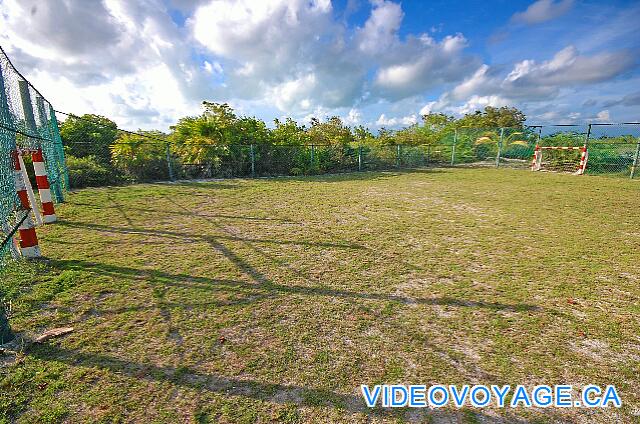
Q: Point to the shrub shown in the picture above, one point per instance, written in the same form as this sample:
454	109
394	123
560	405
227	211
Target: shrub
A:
140	158
88	172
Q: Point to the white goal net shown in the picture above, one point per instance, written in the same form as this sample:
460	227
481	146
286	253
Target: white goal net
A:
571	159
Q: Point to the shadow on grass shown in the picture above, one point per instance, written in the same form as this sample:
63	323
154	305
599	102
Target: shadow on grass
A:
336	176
193	237
191	378
265	288
268	392
177	213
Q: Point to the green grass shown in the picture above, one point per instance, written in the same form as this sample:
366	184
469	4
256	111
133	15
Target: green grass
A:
272	300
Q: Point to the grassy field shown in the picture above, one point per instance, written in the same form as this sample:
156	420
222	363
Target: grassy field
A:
272	300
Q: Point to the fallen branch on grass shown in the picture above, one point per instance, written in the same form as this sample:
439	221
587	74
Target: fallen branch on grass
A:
54	332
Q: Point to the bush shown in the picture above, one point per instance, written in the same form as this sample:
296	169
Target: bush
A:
140	158
88	172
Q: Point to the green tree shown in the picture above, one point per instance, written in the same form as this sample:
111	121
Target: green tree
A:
140	156
250	130
362	135
89	135
332	132
409	136
386	136
200	139
491	117
289	132
435	127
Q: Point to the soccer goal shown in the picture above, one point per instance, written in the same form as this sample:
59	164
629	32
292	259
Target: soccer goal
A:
571	159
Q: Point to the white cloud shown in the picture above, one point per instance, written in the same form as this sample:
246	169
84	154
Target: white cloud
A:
480	102
353	117
407	67
380	30
529	81
126	60
245	28
213	68
383	121
294	93
473	84
628	100
603	116
272	47
133	62
569	67
427	64
542	11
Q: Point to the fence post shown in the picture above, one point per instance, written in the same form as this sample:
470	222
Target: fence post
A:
635	160
253	161
360	158
398	157
428	158
27	108
313	155
30	121
6	335
583	166
54	176
167	152
499	148
453	149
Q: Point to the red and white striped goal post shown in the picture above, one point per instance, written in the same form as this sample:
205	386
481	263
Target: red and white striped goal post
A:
42	181
536	163
28	239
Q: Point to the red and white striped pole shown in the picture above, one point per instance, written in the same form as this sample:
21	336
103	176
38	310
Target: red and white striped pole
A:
534	162
583	160
28	238
42	182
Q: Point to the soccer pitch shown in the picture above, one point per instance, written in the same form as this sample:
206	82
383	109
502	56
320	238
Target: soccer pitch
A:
273	300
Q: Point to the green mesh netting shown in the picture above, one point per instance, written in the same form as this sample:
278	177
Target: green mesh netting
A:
27	121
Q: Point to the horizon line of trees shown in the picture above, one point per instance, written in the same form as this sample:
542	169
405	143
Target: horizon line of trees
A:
98	152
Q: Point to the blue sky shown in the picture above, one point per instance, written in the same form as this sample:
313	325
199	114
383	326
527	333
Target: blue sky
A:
376	63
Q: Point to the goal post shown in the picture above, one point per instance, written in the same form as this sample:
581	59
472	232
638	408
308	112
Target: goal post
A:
571	159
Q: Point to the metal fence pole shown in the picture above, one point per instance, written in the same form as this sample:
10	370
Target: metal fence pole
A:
169	164
6	335
453	148
359	158
586	147
253	161
499	147
398	157
27	108
635	160
428	156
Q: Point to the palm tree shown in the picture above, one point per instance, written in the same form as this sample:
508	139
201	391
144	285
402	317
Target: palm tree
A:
497	137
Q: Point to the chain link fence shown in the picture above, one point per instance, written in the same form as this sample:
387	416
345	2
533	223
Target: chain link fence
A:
27	122
613	150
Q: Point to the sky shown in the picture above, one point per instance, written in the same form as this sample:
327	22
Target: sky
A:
377	63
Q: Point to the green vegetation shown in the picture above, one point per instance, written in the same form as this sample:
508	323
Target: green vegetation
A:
89	172
220	144
271	300
216	144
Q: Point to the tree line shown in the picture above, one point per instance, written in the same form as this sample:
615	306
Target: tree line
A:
99	153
